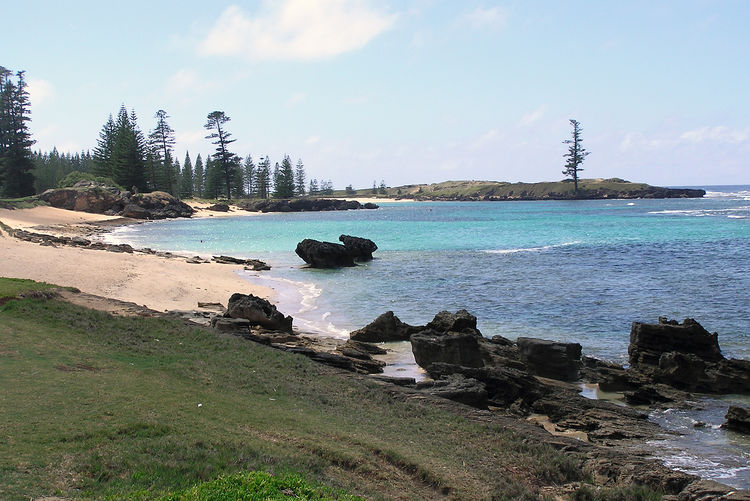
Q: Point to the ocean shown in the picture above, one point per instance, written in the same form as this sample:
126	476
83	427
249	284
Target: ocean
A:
579	271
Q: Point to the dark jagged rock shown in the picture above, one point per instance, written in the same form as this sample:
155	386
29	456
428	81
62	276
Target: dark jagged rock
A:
504	385
457	348
685	356
218	207
461	321
119	248
370	205
298	205
252	264
550	359
649	341
398	381
135	211
387	327
458	388
258	311
737	419
360	249
324	254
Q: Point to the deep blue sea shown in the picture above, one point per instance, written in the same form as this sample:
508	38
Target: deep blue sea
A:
578	271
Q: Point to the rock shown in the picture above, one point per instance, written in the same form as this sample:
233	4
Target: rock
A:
387	327
157	205
708	490
298	205
458	388
119	248
370	205
218	208
648	395
359	248
461	321
224	324
365	347
324	254
550	359
250	264
80	241
504	385
649	341
737	419
87	198
258	311
457	348
135	211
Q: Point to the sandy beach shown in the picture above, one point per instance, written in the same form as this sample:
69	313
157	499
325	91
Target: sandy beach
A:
148	280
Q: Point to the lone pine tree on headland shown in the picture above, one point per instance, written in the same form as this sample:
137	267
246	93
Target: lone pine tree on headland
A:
576	154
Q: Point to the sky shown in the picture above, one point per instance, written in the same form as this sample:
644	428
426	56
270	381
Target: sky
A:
405	91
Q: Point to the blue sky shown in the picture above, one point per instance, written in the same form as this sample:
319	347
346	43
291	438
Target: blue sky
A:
405	91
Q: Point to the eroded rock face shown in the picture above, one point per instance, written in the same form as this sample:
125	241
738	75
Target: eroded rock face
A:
301	205
649	341
360	249
458	388
550	359
258	311
456	348
461	321
160	205
324	254
387	327
94	199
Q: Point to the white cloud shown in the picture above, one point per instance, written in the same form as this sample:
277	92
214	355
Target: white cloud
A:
296	30
532	116
312	140
495	18
186	80
39	91
295	99
488	137
718	134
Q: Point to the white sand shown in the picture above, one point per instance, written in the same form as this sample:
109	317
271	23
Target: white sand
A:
155	282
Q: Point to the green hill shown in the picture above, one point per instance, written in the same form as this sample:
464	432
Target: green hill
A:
588	189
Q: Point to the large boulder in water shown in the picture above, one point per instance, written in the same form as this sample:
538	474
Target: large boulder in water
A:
648	342
737	419
387	327
258	311
359	248
550	358
324	254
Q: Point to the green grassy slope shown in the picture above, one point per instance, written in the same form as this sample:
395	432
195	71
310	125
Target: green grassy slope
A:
95	406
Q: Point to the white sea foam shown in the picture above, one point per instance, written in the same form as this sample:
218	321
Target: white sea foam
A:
731	195
530	249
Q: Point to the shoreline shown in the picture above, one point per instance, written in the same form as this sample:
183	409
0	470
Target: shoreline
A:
158	271
153	281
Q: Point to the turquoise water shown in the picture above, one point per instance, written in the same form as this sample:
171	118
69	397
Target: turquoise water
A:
574	271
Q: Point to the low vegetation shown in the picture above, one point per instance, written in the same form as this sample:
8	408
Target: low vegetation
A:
97	406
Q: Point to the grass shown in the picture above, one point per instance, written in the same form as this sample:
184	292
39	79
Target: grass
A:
21	203
100	407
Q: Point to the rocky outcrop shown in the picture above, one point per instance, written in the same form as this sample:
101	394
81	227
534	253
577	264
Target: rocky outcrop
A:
457	348
737	419
324	254
87	196
648	342
258	311
360	249
550	359
685	356
156	205
387	327
301	205
218	207
249	264
461	321
458	388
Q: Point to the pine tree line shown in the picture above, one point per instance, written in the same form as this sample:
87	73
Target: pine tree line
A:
16	161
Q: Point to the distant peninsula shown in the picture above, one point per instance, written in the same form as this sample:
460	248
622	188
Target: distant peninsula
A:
588	189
